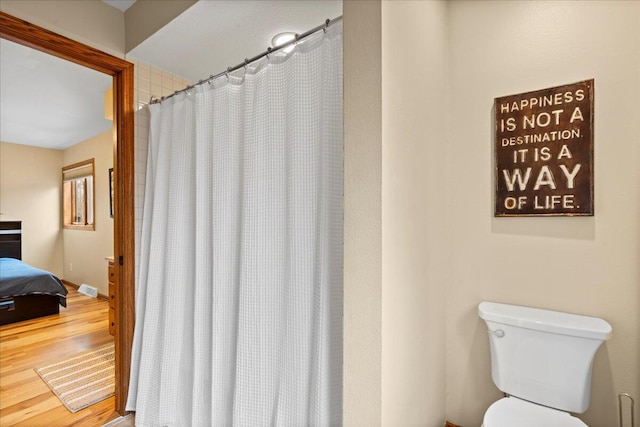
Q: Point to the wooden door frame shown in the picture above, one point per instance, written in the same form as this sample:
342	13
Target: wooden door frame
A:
27	34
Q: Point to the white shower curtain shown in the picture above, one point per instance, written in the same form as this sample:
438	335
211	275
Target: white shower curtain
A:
239	294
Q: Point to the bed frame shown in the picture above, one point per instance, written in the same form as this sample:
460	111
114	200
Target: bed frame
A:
16	309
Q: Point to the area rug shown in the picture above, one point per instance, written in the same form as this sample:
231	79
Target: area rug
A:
83	379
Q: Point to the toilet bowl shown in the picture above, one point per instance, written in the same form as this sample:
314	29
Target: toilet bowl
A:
514	412
542	360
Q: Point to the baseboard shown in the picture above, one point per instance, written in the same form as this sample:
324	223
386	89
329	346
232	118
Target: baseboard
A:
127	420
73	285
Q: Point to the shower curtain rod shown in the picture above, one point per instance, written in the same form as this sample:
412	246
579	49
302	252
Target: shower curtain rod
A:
248	61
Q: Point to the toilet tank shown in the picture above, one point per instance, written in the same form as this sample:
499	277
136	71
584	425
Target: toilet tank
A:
543	356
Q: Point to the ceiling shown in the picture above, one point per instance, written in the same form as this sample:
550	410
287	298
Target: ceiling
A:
54	103
213	35
48	102
123	5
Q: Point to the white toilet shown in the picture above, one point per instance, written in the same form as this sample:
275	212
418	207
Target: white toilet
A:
542	360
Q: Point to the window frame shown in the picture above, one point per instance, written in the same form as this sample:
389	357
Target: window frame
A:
69	201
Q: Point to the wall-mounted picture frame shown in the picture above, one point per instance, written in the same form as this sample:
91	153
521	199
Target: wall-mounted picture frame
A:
111	192
544	152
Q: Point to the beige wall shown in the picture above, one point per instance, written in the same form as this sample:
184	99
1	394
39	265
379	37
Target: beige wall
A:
582	265
85	251
362	213
586	265
91	22
97	24
413	212
30	191
144	18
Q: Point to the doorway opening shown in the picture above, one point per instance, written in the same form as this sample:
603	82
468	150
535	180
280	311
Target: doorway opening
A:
27	34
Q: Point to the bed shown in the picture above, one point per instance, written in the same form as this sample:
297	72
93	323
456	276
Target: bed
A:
26	292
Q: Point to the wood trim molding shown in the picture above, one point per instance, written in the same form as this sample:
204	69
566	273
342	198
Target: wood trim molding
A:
27	34
69	204
124	229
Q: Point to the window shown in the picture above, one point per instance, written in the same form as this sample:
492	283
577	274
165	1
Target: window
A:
78	195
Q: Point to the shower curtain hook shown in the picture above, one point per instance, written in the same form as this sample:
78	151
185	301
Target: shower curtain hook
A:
210	79
326	25
227	72
269	49
246	63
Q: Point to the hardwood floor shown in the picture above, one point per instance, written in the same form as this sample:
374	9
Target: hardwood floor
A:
25	400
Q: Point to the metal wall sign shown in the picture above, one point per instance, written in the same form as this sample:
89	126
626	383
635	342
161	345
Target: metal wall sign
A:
544	152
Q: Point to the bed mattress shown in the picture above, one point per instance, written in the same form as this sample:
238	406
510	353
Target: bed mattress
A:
18	278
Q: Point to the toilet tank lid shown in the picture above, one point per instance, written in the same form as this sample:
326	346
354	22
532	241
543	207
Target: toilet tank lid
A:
545	320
